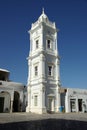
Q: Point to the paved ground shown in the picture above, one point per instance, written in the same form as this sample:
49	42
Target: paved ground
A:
22	117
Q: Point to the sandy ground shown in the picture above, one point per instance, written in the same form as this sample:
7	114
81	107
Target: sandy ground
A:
21	117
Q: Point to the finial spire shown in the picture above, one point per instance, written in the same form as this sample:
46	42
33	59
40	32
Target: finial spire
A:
42	10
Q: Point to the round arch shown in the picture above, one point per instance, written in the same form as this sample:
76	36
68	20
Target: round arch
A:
5	99
16	102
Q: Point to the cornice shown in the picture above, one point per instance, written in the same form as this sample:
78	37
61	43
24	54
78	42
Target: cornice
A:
31	56
38	26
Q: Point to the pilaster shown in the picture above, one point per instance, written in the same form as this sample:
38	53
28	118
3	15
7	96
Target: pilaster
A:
11	109
42	99
42	66
29	99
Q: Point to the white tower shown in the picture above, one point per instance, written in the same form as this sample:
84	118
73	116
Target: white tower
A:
43	63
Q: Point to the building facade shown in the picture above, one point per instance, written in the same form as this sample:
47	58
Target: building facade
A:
43	67
73	100
76	100
12	94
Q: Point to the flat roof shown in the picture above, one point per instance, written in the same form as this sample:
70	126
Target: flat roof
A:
4	70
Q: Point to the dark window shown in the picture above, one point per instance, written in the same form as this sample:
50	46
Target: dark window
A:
35	100
36	70
37	44
50	70
48	44
0	83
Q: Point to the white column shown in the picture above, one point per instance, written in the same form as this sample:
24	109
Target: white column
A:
43	96
42	39
29	99
58	99
58	102
11	109
42	66
58	72
29	70
30	46
12	98
77	110
67	102
52	104
56	43
42	99
21	101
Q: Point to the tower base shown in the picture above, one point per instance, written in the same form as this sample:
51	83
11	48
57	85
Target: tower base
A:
36	110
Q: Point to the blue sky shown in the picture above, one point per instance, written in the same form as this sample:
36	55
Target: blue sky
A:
70	16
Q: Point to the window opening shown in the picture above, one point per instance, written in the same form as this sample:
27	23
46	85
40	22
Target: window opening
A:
37	44
50	70
36	70
35	100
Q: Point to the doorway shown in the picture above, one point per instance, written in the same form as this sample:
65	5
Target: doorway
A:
1	104
16	102
80	105
73	105
51	105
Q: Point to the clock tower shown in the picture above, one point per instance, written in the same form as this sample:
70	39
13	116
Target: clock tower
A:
43	67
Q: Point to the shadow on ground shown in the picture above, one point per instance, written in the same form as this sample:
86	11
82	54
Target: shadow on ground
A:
49	124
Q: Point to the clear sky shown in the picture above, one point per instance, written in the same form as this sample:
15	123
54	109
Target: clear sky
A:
70	16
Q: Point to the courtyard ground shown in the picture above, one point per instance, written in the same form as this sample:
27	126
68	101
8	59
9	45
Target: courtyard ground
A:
23	117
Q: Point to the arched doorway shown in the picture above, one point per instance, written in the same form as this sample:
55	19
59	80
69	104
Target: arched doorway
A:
1	104
4	101
51	104
16	102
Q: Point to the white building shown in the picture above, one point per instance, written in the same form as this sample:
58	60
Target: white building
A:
76	100
43	62
73	99
12	94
